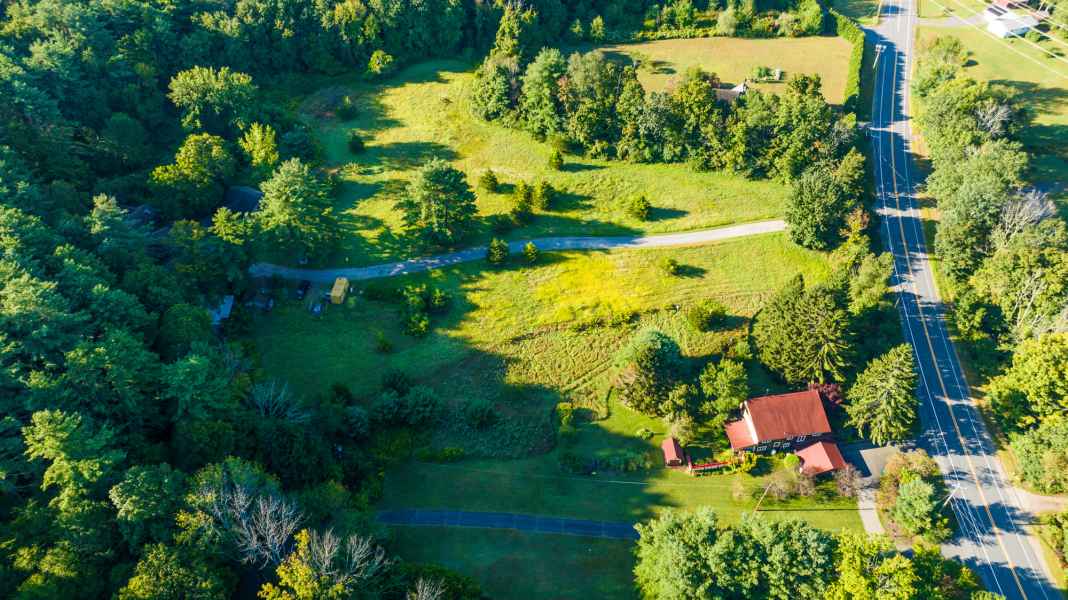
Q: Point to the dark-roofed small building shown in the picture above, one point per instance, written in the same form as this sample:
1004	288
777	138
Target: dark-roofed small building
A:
242	199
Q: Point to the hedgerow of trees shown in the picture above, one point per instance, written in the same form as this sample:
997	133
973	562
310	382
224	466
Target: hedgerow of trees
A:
1005	249
696	555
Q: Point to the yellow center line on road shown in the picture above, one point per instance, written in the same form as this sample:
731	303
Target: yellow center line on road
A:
930	345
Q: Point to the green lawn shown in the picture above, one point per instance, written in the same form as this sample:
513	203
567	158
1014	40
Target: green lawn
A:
1043	82
537	486
511	565
733	60
423	112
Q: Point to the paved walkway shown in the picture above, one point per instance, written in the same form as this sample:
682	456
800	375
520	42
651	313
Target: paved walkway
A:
869	515
418	265
496	520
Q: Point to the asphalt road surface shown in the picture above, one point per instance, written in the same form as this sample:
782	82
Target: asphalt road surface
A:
417	265
988	508
496	520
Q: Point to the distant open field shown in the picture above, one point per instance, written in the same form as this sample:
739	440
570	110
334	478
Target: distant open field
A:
423	113
733	59
1043	83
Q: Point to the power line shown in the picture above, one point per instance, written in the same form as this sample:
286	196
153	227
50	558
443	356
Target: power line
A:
1014	49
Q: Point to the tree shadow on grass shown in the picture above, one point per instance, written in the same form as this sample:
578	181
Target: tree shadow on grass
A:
1039	98
690	271
666	214
523	466
403	156
578	167
569	201
371	113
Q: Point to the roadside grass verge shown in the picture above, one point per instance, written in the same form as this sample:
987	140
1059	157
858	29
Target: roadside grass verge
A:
1053	561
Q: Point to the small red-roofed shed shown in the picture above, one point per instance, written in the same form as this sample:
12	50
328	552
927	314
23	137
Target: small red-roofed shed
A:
673	455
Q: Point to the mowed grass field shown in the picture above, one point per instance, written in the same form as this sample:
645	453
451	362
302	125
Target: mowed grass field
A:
733	60
516	566
423	112
1043	83
562	567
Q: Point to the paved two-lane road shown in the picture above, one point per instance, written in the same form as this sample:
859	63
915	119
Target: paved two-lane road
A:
987	507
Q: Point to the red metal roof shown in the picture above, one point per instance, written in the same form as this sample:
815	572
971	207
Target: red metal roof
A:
672	450
788	415
738	434
820	457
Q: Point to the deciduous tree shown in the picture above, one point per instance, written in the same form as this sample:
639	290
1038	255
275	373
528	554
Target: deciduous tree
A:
296	210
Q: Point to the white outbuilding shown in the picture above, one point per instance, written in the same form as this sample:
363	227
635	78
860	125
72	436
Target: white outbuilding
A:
1011	24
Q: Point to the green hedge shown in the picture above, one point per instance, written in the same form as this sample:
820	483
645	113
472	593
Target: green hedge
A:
849	30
